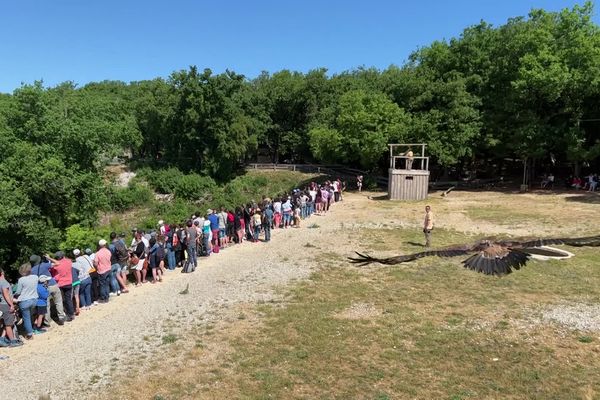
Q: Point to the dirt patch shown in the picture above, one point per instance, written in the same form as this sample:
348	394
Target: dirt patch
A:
359	311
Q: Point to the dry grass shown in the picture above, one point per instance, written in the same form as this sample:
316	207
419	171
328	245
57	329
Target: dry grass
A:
428	329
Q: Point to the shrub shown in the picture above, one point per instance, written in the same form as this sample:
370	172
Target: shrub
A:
194	187
121	199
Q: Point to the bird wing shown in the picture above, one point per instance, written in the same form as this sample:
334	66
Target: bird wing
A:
592	241
364	259
496	260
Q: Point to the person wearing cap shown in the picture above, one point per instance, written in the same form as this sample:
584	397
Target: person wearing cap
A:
27	296
62	272
41	304
84	265
256	224
39	268
103	266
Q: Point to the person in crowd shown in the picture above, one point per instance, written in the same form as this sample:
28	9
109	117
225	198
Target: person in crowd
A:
428	225
41	304
222	215
119	257
84	265
89	257
62	272
238	225
102	262
286	209
170	253
231	234
192	243
592	182
76	284
27	296
207	236
267	221
256	224
154	259
7	314
40	268
214	228
139	250
359	182
277	213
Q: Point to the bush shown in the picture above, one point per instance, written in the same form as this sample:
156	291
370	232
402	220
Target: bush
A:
135	195
194	187
163	181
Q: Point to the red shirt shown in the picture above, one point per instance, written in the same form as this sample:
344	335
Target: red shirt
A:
63	272
102	260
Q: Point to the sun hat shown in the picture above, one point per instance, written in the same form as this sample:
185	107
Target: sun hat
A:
161	222
209	211
44	278
88	251
102	242
76	252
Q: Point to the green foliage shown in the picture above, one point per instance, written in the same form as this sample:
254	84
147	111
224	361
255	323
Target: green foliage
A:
135	195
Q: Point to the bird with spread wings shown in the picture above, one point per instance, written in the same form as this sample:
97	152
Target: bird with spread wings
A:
490	257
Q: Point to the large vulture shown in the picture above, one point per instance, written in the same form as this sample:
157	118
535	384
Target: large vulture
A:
490	257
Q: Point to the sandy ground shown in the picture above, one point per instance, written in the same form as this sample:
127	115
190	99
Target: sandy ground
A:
81	358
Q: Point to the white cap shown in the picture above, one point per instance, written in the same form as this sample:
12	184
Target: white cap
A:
44	278
102	242
76	252
161	222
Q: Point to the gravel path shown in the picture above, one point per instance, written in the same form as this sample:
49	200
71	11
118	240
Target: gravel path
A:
78	359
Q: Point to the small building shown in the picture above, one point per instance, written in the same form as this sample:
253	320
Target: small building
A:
409	172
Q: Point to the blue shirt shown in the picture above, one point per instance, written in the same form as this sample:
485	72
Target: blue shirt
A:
214	222
43	294
43	269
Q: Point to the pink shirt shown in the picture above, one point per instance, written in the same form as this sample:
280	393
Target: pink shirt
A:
102	260
62	273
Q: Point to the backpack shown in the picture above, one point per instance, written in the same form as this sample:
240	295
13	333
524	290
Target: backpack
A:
121	252
175	239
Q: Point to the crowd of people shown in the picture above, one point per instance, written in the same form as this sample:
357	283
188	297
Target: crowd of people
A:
59	287
588	182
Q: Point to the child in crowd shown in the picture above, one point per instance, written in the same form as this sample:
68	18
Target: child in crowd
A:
42	303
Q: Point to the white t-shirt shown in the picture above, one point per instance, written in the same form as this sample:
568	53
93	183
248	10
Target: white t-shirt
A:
313	194
277	207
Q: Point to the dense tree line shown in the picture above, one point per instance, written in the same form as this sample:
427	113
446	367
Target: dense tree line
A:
527	89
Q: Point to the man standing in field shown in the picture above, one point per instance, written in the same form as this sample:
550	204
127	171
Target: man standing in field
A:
428	225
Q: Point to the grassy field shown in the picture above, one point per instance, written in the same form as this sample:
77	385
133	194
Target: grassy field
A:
425	330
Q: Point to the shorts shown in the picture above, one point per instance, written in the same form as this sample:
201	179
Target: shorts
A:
140	265
124	268
7	316
221	233
40	310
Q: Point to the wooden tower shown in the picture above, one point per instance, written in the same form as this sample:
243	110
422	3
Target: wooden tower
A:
409	172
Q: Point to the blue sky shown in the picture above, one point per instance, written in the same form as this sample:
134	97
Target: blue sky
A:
130	40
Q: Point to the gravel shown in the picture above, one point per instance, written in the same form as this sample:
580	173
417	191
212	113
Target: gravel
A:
583	317
78	360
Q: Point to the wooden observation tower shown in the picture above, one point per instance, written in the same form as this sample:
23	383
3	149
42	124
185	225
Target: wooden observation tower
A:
409	172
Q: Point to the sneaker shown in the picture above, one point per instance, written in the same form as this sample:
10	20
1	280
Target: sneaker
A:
15	343
39	331
61	322
95	303
111	294
118	292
